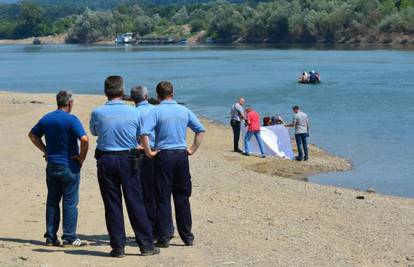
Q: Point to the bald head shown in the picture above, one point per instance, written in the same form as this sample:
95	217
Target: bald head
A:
241	101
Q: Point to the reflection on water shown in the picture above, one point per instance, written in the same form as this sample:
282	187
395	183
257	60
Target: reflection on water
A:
363	109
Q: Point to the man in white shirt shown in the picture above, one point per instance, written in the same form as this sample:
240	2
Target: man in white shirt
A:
301	124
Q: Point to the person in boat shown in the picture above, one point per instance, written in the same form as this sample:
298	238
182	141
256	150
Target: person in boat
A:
304	77
318	76
313	78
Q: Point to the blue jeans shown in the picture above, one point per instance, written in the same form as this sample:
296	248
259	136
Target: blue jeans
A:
301	141
62	183
247	138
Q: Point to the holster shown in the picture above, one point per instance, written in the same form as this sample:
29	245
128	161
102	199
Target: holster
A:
136	157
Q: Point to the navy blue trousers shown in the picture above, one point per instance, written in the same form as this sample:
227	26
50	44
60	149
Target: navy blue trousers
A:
172	175
148	191
117	176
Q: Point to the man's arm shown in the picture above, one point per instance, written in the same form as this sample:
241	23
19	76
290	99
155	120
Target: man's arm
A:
198	138
240	111
147	148
148	126
199	131
84	147
292	124
38	142
92	123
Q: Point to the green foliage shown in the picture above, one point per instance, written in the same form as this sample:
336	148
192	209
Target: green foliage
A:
236	20
198	25
227	25
144	24
93	26
402	22
181	16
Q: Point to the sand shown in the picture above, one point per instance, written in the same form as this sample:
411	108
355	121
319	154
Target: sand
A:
241	217
46	40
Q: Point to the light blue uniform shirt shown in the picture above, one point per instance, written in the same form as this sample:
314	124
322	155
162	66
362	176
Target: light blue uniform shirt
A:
144	108
117	126
170	121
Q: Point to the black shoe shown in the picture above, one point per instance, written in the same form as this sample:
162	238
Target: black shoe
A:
298	159
246	154
50	243
162	244
263	156
188	243
238	151
150	252
118	253
305	159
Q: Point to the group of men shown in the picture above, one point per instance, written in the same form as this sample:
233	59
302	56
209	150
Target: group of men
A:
251	118
141	154
310	77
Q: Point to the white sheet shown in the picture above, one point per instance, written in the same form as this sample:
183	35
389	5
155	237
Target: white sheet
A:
276	141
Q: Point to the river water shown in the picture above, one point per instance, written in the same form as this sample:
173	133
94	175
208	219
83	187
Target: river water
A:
363	110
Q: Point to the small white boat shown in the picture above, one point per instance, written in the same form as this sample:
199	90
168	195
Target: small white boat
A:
125	38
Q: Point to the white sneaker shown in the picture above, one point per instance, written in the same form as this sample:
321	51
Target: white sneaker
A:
77	243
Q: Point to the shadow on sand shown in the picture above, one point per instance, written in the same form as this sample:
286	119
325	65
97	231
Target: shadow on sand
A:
92	240
22	241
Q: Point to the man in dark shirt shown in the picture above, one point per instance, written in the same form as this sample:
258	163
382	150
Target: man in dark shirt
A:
64	161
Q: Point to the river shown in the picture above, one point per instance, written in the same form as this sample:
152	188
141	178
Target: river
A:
363	110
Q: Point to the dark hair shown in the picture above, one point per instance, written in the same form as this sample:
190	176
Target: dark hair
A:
164	90
296	108
153	101
114	86
63	98
139	93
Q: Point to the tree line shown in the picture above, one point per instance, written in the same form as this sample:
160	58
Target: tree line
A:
299	21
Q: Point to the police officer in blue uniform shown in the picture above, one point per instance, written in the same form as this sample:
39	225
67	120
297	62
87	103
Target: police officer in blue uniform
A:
118	126
170	121
140	96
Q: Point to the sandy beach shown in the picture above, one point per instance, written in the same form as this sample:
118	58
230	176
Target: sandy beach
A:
46	40
246	211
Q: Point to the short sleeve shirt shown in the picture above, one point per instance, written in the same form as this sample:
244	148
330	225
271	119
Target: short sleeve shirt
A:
236	111
170	121
62	132
144	108
300	122
254	121
117	126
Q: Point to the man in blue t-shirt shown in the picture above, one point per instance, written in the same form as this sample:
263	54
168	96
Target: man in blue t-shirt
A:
64	161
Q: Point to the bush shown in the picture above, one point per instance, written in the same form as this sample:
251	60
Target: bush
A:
402	22
92	26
